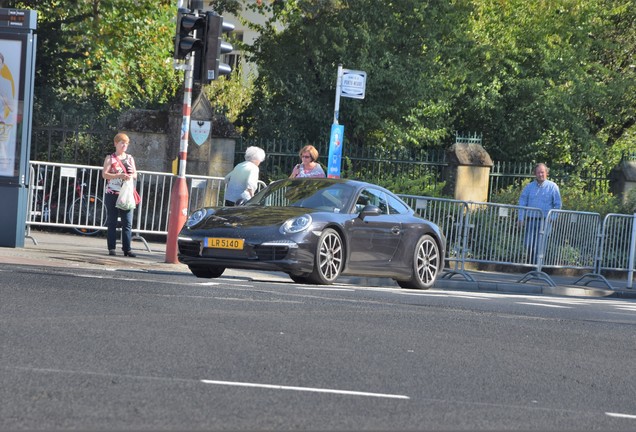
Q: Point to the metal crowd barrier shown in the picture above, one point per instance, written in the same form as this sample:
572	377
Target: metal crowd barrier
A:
617	252
570	239
497	237
71	197
490	233
452	218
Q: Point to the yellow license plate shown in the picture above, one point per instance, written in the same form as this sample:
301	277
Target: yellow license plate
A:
223	243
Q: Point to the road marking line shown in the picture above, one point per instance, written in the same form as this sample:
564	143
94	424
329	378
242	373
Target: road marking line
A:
544	305
621	313
324	289
306	389
444	295
621	415
226	298
626	307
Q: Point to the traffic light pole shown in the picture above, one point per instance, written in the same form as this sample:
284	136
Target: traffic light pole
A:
179	196
188	42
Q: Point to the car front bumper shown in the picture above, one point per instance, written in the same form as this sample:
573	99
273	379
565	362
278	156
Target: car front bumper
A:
286	256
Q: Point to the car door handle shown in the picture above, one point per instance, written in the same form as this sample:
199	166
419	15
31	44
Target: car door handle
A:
395	230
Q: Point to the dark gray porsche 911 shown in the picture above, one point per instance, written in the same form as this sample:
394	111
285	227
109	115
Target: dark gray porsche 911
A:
316	230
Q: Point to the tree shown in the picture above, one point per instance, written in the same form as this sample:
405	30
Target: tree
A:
550	80
117	51
407	48
542	84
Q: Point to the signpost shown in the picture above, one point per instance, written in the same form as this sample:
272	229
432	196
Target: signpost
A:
351	84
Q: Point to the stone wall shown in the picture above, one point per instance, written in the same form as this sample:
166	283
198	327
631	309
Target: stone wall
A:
623	179
468	172
155	137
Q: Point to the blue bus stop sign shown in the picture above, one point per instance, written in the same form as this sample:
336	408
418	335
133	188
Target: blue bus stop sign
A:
335	151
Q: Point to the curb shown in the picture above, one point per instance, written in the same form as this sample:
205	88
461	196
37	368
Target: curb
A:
72	252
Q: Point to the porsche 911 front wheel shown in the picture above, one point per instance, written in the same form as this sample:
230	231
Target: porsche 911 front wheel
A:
206	272
329	258
427	264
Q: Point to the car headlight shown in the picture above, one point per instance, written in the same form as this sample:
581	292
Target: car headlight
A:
296	224
196	217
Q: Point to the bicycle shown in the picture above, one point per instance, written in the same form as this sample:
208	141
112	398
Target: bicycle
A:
87	209
63	202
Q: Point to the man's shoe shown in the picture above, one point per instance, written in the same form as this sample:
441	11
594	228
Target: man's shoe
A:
112	252
130	254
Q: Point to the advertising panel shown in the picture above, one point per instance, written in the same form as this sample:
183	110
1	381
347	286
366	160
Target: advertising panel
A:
335	151
10	55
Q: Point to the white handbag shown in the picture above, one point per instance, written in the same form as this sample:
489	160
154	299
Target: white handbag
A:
126	199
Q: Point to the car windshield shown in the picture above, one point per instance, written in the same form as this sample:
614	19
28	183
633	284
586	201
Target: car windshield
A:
307	193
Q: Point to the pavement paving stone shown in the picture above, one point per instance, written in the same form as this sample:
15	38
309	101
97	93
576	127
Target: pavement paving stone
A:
60	249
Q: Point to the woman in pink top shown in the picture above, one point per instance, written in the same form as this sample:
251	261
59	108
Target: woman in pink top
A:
309	167
118	167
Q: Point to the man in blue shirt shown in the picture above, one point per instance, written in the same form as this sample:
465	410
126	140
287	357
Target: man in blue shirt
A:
542	194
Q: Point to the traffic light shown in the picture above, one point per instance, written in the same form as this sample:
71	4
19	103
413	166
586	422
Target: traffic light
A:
214	47
186	40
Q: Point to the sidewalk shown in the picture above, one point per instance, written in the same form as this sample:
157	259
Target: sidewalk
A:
74	251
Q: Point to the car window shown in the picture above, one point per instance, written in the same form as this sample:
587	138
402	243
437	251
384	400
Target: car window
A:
277	198
396	206
310	194
371	196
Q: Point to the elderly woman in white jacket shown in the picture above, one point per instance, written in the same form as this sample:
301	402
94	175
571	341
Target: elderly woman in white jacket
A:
242	181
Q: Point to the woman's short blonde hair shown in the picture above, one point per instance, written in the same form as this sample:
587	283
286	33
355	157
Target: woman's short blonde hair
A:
311	150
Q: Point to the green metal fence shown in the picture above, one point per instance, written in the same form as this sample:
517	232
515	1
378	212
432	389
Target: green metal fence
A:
71	143
365	163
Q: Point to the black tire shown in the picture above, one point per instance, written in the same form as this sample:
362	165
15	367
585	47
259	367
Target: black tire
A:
328	259
207	272
299	279
427	264
87	210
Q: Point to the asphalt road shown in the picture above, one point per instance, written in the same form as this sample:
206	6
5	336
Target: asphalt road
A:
137	350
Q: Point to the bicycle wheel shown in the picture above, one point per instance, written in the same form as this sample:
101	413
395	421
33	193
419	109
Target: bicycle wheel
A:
87	210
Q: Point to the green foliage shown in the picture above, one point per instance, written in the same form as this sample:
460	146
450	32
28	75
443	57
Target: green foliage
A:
231	95
544	86
407	185
131	60
117	51
575	198
546	80
399	45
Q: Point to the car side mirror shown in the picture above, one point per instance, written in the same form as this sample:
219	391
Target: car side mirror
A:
370	210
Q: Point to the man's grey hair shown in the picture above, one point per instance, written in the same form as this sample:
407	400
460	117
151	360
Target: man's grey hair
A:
254	153
547	170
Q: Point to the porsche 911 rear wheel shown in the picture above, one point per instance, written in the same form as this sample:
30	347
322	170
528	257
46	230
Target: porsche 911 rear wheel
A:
329	258
206	272
427	263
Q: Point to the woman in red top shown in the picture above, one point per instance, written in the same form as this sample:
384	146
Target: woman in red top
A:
118	167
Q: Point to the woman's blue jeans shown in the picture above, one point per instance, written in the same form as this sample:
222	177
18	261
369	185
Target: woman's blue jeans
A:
111	222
